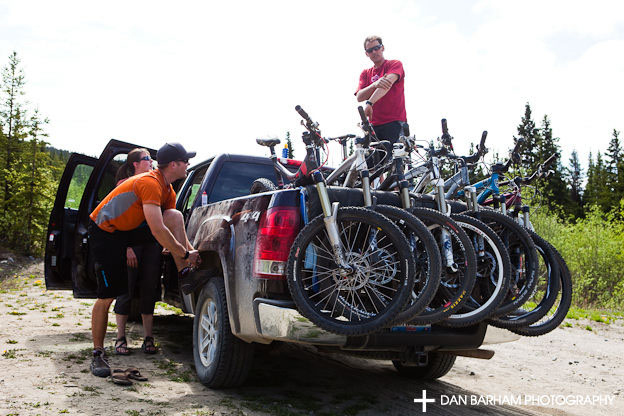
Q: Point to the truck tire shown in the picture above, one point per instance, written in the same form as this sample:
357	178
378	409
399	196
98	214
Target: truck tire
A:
221	359
438	365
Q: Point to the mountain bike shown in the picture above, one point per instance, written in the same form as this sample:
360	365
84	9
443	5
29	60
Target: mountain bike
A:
350	269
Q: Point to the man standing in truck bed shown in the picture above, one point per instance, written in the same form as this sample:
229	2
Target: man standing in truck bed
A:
139	209
381	86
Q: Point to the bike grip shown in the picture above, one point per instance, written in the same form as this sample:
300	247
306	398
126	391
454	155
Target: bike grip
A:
444	127
302	112
483	137
362	114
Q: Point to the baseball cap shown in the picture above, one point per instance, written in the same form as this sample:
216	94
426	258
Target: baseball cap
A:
171	152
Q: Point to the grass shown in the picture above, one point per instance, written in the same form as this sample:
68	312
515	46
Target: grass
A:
11	341
596	315
168	307
17	313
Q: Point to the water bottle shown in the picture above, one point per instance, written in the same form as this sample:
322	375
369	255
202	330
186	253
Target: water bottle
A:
285	151
204	199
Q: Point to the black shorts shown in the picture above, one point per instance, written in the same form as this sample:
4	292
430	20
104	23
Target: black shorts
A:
109	256
143	281
391	131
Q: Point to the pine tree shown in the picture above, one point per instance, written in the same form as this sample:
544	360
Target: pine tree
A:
291	151
531	136
553	188
575	179
596	191
26	177
615	173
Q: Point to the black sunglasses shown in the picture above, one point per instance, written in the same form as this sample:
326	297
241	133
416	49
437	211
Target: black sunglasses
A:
374	48
184	160
146	158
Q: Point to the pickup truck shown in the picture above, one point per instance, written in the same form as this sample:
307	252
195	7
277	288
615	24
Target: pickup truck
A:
239	297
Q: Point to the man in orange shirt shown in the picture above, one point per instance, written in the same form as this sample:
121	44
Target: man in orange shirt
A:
139	209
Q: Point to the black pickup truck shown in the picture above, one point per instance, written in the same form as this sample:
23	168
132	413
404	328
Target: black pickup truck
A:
240	296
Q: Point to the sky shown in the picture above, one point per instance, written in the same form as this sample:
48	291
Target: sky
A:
217	75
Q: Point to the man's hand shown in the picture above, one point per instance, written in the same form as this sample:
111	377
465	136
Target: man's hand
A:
384	83
194	259
368	111
131	258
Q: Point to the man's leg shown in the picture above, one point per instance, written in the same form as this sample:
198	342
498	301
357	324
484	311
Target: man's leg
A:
99	321
174	221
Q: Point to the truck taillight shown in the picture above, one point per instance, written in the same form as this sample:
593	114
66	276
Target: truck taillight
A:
277	231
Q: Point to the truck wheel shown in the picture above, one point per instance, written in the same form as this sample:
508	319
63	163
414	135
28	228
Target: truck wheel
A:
438	365
221	359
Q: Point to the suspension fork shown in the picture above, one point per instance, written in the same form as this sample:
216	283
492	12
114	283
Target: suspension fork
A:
445	236
471	202
330	214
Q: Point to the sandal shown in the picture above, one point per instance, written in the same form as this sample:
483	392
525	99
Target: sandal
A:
134	374
119	376
148	346
121	346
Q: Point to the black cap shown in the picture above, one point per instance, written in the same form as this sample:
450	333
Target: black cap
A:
171	152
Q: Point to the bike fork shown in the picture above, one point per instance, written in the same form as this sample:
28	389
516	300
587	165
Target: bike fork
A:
445	236
330	213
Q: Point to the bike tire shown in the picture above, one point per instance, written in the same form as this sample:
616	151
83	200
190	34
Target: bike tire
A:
522	254
545	293
427	260
372	294
493	274
261	185
454	287
563	302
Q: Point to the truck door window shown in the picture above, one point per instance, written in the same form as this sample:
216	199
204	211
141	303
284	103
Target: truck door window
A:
77	186
107	183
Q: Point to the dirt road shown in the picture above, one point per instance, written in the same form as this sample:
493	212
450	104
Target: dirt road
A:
44	369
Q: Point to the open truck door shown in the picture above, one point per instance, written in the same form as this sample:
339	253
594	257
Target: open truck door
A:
76	270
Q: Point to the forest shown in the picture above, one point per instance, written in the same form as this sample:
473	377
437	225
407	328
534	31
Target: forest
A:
579	207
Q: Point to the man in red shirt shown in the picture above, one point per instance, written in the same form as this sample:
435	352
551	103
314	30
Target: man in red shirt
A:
381	86
140	209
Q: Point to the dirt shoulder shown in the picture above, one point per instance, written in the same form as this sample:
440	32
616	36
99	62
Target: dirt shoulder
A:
46	345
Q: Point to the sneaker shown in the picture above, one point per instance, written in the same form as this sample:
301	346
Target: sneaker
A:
99	365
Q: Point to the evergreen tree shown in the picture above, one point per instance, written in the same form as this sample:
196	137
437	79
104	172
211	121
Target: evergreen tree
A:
596	191
291	151
531	136
27	181
615	173
553	188
13	132
575	180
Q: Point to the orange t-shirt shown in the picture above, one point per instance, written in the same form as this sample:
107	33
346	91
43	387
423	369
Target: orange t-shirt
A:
122	209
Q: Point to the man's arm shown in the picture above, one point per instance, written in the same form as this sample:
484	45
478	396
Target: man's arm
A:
384	86
154	219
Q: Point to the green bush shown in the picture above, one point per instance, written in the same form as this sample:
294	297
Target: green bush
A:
593	249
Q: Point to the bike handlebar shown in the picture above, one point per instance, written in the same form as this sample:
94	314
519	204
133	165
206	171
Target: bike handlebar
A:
303	114
514	154
540	172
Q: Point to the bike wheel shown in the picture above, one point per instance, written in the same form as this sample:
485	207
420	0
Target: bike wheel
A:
557	313
493	274
426	255
364	298
545	293
455	284
522	254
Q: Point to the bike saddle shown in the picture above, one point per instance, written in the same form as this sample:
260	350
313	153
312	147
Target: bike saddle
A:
268	142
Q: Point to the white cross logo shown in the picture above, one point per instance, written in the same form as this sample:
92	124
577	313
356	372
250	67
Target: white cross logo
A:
424	401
